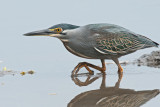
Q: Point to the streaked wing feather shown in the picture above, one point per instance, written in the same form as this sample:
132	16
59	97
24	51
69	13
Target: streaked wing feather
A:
115	40
118	43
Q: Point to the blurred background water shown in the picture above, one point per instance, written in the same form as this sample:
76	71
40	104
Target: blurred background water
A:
53	63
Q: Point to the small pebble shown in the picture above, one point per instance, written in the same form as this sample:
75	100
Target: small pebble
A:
30	72
23	73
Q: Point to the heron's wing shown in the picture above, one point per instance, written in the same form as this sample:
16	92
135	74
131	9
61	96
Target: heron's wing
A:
118	43
115	40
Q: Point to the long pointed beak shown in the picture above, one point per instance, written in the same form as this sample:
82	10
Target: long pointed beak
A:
45	32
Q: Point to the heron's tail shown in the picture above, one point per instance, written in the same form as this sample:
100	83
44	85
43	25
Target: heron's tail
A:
148	42
157	44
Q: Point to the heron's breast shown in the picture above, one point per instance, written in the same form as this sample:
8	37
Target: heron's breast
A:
78	51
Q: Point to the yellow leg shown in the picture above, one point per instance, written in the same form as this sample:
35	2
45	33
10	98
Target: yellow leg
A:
120	69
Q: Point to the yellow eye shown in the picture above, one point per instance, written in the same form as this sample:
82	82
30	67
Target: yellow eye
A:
58	30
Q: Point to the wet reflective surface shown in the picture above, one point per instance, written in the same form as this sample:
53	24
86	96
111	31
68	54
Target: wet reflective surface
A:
110	96
139	86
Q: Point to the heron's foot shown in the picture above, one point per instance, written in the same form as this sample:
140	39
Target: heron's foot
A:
120	73
81	65
87	65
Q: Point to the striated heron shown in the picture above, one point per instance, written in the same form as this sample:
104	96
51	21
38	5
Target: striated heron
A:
97	41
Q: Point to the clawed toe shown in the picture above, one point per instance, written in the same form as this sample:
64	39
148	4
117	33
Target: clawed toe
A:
87	66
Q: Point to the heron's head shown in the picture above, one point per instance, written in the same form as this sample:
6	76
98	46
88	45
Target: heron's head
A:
59	31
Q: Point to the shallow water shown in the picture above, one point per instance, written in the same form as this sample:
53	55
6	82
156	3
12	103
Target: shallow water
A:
58	89
51	84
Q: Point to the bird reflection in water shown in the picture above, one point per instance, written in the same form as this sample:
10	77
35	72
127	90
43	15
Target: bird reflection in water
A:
110	96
